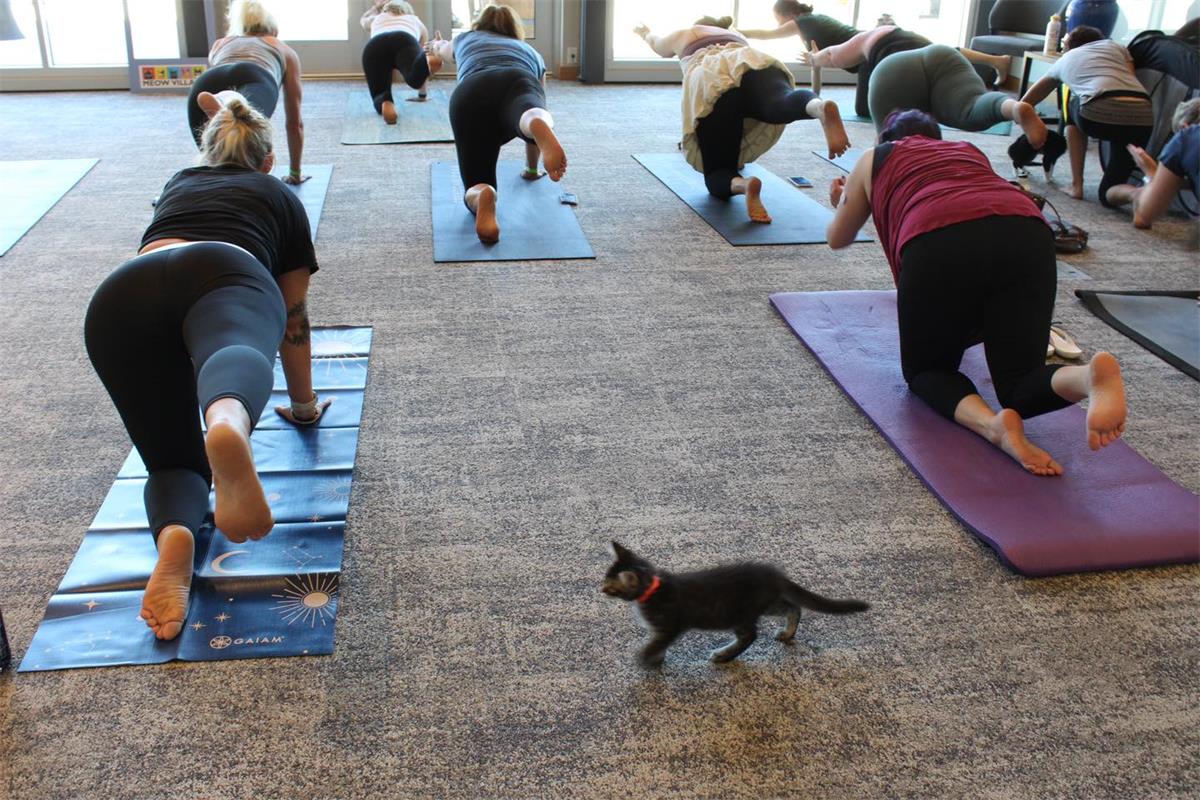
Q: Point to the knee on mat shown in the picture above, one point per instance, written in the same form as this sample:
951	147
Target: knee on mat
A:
718	183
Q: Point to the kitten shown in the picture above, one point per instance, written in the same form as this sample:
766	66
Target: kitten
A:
725	598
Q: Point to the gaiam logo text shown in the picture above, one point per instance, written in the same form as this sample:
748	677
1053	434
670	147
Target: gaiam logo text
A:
221	642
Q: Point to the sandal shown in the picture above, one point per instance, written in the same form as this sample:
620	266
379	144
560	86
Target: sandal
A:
1063	344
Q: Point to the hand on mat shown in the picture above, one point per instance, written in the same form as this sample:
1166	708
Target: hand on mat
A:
836	187
286	413
1145	161
293	180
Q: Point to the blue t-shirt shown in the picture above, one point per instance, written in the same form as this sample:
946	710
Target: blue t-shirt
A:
1182	155
475	51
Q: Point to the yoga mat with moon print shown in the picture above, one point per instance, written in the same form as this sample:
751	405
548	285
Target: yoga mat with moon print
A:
274	597
1112	509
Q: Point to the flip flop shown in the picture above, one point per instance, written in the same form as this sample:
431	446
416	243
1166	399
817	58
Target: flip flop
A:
1063	344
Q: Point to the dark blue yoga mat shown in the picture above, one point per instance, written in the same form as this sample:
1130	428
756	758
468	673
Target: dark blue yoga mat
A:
797	218
28	189
534	224
274	597
1112	509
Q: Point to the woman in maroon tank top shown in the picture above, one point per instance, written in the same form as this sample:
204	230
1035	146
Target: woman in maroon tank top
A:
973	261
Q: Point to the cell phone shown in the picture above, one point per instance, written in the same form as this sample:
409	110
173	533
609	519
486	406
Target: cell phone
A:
801	183
568	199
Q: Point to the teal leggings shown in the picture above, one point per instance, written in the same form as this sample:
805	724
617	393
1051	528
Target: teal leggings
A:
936	79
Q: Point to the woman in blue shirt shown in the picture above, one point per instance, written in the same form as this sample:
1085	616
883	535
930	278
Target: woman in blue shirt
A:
1178	166
500	96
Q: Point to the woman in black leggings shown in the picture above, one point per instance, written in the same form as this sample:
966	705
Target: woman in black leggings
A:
255	63
499	97
737	101
196	318
396	43
973	261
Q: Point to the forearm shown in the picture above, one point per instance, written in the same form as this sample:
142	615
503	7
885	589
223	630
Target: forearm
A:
295	139
660	45
295	351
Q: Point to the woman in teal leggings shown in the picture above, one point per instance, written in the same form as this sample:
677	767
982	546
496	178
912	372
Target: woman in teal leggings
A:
938	79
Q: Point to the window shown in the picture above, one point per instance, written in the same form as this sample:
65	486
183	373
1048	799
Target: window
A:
23	52
90	34
663	16
464	12
154	28
312	20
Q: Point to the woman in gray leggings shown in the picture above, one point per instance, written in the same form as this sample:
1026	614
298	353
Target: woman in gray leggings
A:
938	79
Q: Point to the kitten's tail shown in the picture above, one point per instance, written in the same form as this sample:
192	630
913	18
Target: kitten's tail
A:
806	599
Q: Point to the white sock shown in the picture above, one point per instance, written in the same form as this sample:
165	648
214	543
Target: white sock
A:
529	116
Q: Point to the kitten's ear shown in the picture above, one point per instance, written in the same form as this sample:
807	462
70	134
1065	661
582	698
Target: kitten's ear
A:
621	552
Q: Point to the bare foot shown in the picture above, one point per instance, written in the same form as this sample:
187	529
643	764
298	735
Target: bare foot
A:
1002	65
208	103
1106	401
1074	190
1007	432
754	205
241	508
486	226
165	601
835	132
554	159
1031	125
389	112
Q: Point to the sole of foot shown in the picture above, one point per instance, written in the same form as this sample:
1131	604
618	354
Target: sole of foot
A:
1106	401
554	158
1031	125
165	601
486	226
754	205
389	112
241	507
1008	433
836	137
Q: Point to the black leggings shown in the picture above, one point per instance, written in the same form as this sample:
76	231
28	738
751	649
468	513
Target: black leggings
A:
992	279
485	113
765	95
391	50
1120	163
173	327
256	84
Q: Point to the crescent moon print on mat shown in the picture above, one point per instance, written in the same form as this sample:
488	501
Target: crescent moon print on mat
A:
216	562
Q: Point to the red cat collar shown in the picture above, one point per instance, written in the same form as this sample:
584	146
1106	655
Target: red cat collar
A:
650	590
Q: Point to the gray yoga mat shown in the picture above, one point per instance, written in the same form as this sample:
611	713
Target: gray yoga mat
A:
419	122
1165	323
28	189
798	219
534	225
312	192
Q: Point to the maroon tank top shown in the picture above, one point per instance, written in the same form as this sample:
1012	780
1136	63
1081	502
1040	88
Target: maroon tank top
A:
925	184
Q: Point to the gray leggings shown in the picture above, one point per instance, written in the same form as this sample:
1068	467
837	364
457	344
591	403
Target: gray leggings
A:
937	79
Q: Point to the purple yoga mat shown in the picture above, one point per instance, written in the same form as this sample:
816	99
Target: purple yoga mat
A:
1112	509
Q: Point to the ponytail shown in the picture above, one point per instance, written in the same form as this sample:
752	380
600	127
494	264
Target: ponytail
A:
237	135
251	18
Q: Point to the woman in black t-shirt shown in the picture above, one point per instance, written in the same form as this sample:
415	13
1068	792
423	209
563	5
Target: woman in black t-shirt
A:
218	286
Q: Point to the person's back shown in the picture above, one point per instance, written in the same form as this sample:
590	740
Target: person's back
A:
920	184
249	49
408	23
1096	68
824	30
1182	155
475	51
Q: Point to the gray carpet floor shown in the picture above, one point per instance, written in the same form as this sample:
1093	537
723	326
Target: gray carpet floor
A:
519	416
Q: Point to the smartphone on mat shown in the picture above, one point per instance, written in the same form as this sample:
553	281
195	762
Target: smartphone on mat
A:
801	183
568	199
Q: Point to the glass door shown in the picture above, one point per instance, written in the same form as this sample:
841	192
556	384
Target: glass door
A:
324	33
55	45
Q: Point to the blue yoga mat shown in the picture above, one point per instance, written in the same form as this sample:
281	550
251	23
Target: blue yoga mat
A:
274	597
312	192
28	189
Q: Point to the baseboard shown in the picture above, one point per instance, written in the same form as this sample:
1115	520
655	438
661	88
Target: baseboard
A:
568	72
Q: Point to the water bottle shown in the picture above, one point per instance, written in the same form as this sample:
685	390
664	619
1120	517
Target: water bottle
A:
1053	34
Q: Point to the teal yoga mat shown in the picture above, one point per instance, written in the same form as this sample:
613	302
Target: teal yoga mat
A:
28	189
427	121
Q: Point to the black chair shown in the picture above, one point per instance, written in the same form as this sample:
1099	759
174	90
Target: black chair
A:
1017	26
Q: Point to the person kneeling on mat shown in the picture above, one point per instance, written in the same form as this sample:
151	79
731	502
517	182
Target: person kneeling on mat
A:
500	96
1177	167
737	101
973	260
253	61
397	43
218	286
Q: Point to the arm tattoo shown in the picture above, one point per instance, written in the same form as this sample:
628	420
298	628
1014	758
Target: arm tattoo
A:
298	318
